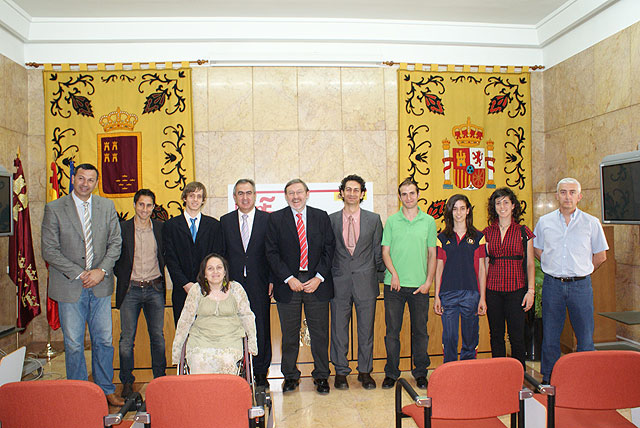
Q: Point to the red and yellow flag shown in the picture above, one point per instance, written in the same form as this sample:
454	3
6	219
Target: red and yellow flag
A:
22	264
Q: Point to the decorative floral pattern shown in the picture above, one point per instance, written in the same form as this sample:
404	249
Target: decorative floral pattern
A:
163	92
514	158
506	94
422	92
70	92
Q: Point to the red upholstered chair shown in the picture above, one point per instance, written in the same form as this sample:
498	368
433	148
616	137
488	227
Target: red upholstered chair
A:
470	393
587	388
200	401
55	404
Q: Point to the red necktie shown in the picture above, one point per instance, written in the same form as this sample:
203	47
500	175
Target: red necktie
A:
302	237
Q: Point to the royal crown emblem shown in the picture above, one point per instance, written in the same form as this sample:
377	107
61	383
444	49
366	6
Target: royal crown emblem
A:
118	120
469	164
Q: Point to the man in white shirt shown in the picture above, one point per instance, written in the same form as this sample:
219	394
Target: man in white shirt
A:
570	245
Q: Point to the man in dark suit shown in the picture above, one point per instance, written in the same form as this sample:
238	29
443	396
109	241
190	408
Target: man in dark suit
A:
140	285
81	242
357	265
187	240
244	236
300	245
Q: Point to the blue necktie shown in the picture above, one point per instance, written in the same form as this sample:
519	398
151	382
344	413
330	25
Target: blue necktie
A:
194	231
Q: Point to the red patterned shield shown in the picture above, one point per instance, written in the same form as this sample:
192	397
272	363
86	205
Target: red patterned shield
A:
120	164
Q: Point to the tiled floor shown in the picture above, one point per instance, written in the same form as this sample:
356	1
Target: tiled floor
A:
353	408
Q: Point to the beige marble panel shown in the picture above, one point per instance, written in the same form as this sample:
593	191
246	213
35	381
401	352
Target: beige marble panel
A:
11	141
392	162
614	133
393	205
390	75
324	150
319	99
555	160
363	99
537	101
276	156
581	154
578	95
543	203
626	239
35	102
200	98
16	87
201	158
4	100
380	206
554	110
365	155
230	98
590	202
627	287
217	207
634	53
37	174
275	98
612	72
539	174
231	156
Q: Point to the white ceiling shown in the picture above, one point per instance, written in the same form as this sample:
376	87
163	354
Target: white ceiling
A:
518	12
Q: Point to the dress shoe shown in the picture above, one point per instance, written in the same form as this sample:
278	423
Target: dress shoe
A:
388	382
322	386
341	382
127	390
290	385
114	400
421	382
367	381
260	379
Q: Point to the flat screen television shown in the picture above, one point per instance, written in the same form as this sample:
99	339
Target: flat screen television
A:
620	188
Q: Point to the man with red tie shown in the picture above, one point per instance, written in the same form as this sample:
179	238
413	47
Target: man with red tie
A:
299	247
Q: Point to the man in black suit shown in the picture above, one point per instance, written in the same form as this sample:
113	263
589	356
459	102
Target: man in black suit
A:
140	285
187	240
244	237
300	245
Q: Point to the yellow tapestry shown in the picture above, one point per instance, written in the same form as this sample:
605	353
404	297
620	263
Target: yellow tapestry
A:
135	126
463	132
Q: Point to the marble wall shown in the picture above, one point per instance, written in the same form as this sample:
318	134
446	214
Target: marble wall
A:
590	106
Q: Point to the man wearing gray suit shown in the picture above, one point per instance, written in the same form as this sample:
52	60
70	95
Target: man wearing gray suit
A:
81	242
357	263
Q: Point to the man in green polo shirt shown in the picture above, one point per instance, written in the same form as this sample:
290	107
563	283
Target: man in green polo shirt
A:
409	253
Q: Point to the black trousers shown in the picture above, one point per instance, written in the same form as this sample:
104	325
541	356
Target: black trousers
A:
261	307
317	316
506	306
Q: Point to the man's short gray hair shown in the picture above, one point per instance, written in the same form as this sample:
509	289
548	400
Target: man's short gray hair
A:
569	180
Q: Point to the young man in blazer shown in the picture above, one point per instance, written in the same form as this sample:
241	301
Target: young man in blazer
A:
187	240
81	242
357	268
300	245
244	236
140	286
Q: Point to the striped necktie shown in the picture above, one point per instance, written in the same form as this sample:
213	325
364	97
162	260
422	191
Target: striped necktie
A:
88	236
302	237
244	231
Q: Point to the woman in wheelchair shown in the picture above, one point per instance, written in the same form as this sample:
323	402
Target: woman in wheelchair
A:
215	319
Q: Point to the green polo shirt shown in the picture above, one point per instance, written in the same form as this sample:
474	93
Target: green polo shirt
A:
408	242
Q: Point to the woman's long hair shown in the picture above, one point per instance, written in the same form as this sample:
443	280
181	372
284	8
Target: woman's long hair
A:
202	279
499	193
448	216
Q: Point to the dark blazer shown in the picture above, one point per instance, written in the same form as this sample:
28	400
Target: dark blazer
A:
256	283
283	251
124	265
183	257
358	273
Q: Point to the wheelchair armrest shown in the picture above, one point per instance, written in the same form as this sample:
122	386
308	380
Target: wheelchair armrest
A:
142	417
133	402
420	401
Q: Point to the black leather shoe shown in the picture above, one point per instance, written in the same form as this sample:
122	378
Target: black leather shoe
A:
127	390
260	379
322	386
367	381
421	382
290	385
341	382
388	382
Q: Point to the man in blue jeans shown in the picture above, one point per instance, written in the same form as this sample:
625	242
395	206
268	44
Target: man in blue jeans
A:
140	286
409	253
570	245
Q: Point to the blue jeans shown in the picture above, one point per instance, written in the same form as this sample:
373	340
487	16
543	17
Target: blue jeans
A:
557	297
394	302
463	305
151	301
96	313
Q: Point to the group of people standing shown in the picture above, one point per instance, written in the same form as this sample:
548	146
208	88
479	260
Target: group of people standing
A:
224	274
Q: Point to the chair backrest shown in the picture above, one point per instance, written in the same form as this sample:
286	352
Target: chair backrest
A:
598	380
474	389
11	366
53	404
201	400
